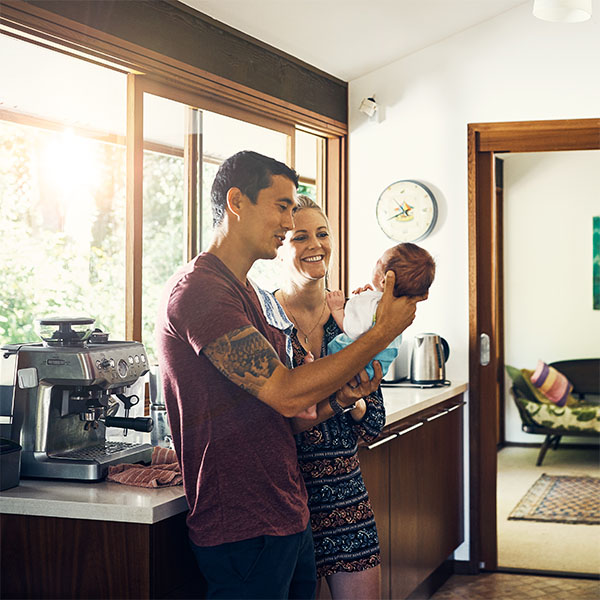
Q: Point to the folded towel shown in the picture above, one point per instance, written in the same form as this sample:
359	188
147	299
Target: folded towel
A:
163	471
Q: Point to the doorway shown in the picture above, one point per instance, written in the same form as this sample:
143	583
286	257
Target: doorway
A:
549	201
486	335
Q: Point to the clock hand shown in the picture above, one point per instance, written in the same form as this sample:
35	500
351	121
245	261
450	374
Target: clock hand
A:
398	215
404	211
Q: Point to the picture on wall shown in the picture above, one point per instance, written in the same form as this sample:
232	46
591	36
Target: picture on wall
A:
596	263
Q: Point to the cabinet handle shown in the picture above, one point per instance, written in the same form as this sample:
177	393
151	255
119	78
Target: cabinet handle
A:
383	441
438	415
455	407
410	428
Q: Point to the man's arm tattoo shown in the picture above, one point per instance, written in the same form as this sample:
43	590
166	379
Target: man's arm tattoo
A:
245	357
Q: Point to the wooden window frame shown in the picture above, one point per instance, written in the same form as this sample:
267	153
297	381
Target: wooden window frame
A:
149	71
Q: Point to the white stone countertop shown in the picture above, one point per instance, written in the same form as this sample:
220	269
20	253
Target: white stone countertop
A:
108	501
98	501
402	402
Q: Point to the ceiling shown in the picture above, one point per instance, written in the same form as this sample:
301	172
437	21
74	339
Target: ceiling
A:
349	38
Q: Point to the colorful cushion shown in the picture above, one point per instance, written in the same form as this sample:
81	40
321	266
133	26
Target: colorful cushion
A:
521	379
551	383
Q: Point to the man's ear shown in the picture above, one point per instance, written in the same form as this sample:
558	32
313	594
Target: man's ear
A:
235	199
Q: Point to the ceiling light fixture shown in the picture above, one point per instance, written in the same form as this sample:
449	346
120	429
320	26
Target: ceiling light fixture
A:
563	11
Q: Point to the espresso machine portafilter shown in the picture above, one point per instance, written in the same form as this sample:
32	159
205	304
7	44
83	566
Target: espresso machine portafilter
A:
64	394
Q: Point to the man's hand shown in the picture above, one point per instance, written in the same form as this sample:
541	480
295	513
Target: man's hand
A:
394	315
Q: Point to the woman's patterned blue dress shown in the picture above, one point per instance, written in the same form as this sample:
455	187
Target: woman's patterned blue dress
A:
343	525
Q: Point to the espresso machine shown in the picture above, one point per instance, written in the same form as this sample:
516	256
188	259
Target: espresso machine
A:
59	397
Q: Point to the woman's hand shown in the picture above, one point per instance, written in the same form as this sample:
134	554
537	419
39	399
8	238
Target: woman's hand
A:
310	413
351	393
359	387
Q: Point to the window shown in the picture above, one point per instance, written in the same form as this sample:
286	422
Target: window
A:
62	191
172	184
306	164
72	243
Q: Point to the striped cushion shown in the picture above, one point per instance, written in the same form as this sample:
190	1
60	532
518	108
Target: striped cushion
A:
553	384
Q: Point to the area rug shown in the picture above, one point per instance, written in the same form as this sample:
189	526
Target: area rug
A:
562	499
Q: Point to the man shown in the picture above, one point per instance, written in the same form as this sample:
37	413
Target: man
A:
229	394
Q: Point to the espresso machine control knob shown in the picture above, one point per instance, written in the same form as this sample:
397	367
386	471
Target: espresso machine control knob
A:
104	364
122	368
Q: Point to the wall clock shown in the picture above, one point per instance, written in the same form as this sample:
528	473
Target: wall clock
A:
407	211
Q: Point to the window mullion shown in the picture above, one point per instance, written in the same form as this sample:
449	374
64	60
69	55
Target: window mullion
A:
193	182
134	214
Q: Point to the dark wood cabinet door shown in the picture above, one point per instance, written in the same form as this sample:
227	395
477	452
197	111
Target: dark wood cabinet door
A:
375	468
440	493
406	470
57	558
425	499
48	557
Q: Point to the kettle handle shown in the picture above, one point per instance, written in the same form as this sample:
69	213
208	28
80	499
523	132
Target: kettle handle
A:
446	348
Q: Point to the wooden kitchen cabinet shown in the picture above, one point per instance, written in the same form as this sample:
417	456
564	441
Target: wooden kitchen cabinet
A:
49	557
375	468
415	485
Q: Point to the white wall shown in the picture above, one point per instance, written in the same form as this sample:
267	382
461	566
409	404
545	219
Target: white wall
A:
511	68
549	202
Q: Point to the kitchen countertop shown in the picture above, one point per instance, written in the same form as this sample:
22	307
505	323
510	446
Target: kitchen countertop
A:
108	501
102	501
402	402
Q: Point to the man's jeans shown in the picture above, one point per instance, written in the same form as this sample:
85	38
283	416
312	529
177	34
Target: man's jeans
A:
263	567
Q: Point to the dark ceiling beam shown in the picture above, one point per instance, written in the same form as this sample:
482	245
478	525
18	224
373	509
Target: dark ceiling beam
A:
181	33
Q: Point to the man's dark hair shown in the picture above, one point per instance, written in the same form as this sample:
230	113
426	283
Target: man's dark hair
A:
250	172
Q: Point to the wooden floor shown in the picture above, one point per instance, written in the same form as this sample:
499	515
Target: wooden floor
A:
508	586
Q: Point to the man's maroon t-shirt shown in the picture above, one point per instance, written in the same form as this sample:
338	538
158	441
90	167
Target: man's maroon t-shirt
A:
238	456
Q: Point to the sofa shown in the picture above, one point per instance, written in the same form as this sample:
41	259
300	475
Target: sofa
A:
580	416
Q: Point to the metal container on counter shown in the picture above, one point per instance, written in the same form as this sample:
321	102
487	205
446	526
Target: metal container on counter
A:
161	434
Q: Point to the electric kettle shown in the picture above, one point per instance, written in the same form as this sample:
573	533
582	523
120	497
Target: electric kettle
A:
428	362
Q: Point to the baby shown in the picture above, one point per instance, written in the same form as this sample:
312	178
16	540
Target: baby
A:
414	269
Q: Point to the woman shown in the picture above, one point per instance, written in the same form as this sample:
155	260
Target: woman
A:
344	532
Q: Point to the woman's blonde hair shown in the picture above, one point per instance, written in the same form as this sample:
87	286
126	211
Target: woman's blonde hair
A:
305	201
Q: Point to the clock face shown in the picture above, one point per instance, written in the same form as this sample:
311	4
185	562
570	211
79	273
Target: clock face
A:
407	211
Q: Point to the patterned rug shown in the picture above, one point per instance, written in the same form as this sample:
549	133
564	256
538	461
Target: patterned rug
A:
562	499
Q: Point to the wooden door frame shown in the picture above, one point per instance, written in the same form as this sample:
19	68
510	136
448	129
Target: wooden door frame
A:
485	297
